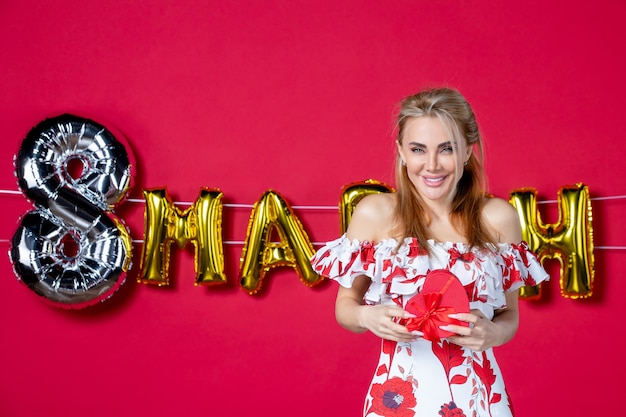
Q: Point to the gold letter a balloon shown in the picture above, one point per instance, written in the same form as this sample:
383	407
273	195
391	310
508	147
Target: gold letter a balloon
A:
260	254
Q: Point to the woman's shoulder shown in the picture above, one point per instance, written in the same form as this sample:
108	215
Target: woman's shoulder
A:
502	220
372	218
378	203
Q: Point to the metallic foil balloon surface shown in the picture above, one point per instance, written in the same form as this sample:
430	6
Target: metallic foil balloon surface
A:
351	194
260	254
71	249
570	240
201	224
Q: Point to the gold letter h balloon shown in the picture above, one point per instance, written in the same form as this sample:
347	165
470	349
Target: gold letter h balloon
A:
570	240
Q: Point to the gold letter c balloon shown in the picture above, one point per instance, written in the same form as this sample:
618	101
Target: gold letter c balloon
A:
570	240
351	194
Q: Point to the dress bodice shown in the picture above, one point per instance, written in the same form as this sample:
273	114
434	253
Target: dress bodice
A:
399	269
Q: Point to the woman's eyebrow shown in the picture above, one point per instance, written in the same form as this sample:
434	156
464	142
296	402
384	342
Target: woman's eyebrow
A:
441	145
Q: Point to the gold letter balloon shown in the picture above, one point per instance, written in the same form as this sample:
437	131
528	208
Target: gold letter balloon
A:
201	224
351	194
570	240
259	254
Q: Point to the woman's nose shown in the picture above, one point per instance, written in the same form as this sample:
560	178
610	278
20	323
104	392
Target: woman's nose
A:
432	162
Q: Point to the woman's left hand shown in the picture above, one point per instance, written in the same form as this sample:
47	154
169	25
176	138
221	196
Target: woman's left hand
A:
481	334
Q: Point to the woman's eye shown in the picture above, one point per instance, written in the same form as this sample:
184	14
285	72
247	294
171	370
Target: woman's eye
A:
447	149
417	150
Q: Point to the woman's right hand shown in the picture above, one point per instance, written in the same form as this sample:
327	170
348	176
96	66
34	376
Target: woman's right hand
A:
382	320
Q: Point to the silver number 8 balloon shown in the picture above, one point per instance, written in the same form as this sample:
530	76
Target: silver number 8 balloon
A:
71	249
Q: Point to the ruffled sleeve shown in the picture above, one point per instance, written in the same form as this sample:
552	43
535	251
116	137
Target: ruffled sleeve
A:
393	269
343	260
521	267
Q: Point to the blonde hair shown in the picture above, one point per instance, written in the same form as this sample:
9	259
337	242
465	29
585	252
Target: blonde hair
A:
456	115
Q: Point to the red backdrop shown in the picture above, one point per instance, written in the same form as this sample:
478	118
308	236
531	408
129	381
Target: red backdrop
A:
298	97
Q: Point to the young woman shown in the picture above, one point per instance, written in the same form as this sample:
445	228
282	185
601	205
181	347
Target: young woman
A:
439	218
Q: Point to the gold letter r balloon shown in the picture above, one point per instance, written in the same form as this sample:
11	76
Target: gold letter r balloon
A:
570	240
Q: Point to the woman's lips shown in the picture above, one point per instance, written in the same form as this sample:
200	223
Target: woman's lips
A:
433	181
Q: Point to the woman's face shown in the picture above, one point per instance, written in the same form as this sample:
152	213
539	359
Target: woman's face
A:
432	159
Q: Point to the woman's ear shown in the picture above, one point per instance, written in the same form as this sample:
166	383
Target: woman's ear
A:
468	152
400	153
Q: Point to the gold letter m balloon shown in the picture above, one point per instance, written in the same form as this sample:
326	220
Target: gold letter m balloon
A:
570	240
201	224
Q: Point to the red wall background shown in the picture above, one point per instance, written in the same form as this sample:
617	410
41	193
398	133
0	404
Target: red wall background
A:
298	97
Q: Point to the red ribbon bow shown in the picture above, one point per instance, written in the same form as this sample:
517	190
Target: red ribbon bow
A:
430	314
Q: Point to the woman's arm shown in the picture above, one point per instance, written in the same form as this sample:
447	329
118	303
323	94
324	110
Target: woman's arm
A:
370	222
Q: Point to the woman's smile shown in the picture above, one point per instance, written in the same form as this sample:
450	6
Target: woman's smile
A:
434	181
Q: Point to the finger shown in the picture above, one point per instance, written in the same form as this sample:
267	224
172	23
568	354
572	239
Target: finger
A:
468	317
459	330
407	337
398	311
402	331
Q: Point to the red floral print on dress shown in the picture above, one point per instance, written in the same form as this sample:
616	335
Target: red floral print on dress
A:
530	281
456	255
389	348
319	266
396	272
522	248
324	269
450	355
488	377
451	410
393	398
367	254
414	249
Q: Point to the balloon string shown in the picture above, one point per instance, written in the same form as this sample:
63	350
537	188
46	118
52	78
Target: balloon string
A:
310	207
611	197
241	243
246	206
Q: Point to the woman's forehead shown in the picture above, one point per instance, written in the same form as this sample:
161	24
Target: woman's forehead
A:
429	127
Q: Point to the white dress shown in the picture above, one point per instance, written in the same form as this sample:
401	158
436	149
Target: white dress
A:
425	378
